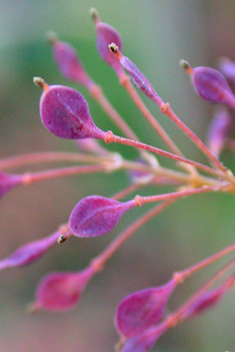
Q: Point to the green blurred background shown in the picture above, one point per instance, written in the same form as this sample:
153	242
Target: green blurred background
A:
156	35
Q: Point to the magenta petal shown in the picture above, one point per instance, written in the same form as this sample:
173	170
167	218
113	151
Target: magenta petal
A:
61	291
29	253
64	112
69	64
218	131
143	309
7	182
211	85
144	342
140	80
107	35
95	215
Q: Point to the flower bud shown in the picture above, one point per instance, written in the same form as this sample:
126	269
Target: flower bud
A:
227	67
210	84
143	309
29	252
61	291
106	35
68	61
64	112
95	215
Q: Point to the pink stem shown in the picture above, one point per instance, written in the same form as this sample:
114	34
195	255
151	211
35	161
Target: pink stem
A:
111	138
29	178
101	259
166	109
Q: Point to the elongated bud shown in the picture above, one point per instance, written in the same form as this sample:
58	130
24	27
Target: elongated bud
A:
145	341
105	35
95	215
7	182
218	131
210	84
210	299
137	76
29	253
143	309
68	61
60	291
64	112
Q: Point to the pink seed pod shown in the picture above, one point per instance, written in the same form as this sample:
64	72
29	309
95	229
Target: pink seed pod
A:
64	112
7	182
105	35
210	84
218	131
95	215
210	299
145	341
61	291
139	80
143	309
29	253
68	61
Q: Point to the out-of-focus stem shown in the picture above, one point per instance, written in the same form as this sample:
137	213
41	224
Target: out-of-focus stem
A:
99	261
29	178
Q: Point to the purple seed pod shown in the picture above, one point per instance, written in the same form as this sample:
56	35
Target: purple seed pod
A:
218	131
139	80
61	291
145	341
143	309
105	35
29	252
210	299
64	112
68	62
7	182
227	67
211	85
95	215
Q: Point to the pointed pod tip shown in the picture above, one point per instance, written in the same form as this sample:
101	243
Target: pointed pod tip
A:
51	37
186	66
114	48
38	81
94	14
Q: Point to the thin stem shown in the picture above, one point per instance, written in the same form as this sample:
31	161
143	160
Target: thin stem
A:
99	261
178	316
126	191
166	109
182	275
29	178
126	83
176	195
111	138
33	158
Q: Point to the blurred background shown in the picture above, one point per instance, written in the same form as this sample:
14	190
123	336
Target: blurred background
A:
156	35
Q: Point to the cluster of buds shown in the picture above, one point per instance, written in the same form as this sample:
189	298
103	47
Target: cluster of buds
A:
140	317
